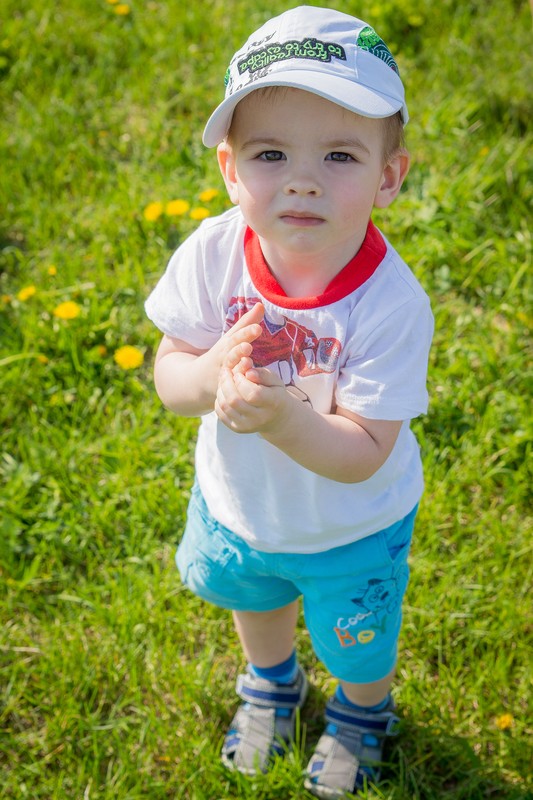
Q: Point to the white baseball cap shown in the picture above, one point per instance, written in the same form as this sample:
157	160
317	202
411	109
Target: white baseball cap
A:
326	52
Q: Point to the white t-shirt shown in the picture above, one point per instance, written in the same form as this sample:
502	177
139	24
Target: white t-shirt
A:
363	345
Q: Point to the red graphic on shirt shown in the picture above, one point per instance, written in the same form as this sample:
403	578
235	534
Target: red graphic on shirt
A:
286	343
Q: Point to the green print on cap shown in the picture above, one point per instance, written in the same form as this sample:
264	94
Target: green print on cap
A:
308	48
369	40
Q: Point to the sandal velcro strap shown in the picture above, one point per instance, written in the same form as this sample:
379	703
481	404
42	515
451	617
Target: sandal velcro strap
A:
350	751
264	724
380	723
265	693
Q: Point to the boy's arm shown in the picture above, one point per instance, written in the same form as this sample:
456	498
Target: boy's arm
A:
181	378
342	446
186	377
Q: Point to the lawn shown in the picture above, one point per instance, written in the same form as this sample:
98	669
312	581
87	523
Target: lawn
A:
115	682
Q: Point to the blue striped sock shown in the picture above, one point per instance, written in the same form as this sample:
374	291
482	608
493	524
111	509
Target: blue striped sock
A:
285	672
341	697
368	738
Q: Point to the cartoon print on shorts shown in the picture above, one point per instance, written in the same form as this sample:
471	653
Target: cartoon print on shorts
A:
286	346
378	599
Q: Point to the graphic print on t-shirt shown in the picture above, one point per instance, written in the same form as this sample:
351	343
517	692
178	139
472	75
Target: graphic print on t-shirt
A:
287	345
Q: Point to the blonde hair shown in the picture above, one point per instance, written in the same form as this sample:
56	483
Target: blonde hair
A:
393	136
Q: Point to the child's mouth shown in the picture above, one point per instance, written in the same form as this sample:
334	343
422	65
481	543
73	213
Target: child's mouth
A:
301	219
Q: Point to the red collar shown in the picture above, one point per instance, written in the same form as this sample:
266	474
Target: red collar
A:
351	277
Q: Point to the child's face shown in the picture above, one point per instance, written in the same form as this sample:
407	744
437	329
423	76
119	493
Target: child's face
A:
306	174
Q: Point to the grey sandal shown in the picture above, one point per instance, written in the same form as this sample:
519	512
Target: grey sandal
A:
264	723
350	750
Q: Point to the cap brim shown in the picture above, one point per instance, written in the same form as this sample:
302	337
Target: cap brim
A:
352	96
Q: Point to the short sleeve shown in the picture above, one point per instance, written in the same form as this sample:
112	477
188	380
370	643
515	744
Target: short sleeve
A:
385	375
183	304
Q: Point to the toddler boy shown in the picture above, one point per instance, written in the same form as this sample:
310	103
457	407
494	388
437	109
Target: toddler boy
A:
297	333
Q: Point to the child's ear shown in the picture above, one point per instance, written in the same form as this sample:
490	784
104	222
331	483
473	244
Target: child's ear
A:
394	174
226	162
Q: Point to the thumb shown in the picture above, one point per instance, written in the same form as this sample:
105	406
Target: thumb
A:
264	377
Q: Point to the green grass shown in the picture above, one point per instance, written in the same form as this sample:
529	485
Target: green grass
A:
114	681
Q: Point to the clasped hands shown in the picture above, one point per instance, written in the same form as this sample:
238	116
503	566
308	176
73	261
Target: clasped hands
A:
250	399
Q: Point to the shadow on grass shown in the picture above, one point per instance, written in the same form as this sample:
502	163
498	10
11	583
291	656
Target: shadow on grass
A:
424	763
433	764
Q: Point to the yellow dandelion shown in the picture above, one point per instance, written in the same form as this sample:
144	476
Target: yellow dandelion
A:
176	208
505	722
207	195
52	270
26	293
101	350
6	298
68	310
42	359
153	211
112	2
122	9
484	151
199	213
128	357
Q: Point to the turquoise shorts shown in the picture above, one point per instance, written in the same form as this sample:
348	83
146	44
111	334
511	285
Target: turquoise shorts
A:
352	595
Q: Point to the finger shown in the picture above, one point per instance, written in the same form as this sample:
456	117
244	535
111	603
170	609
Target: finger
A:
229	405
252	393
230	421
248	327
237	354
242	366
229	394
263	377
247	335
252	317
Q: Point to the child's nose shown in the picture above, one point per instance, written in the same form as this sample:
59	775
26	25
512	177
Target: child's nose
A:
302	189
302	182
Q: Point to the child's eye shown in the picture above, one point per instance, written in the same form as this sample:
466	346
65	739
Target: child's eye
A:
271	155
340	157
